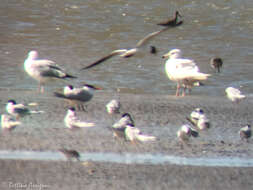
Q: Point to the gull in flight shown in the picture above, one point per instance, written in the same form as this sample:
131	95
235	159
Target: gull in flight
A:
113	106
8	123
172	22
125	53
68	153
245	132
184	71
19	110
43	70
216	63
185	132
71	121
234	94
77	96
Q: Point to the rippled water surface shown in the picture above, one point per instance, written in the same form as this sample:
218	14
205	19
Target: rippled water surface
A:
76	33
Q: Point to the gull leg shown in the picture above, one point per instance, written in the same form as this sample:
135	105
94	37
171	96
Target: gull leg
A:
39	88
178	88
183	93
42	89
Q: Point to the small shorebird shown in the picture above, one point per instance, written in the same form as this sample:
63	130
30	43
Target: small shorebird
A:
245	132
216	63
185	132
125	53
18	110
8	123
172	22
69	154
43	70
132	134
234	94
113	107
71	121
77	96
184	71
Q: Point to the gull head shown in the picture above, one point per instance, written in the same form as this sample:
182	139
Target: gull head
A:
173	54
68	89
71	111
177	14
32	55
11	102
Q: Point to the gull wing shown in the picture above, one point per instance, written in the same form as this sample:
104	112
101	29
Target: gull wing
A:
149	36
113	53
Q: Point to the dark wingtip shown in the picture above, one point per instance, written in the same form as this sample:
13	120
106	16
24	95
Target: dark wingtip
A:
59	95
70	76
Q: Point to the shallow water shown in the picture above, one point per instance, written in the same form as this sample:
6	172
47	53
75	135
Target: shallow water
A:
130	158
76	33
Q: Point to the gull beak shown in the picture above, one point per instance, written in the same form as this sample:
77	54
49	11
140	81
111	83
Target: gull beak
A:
167	55
93	86
98	88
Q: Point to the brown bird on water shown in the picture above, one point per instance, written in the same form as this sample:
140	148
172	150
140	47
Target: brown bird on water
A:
216	63
172	22
125	53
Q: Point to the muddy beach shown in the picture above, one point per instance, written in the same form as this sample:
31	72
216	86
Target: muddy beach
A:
159	115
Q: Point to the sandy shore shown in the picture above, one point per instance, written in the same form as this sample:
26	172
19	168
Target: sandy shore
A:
159	115
91	175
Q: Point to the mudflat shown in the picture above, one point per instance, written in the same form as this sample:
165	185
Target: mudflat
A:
158	115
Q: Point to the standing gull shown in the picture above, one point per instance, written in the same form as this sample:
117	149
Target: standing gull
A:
76	96
113	106
8	123
119	127
125	53
245	132
185	132
184	71
19	110
234	94
172	22
132	134
71	121
43	70
199	119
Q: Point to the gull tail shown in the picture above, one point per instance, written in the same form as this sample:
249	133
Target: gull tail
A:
36	112
84	124
33	104
13	124
58	94
145	138
200	76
